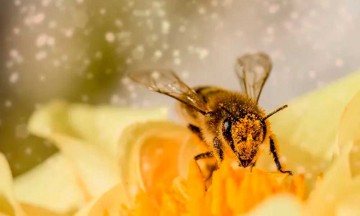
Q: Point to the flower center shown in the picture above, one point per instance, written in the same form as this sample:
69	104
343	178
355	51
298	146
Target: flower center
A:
234	190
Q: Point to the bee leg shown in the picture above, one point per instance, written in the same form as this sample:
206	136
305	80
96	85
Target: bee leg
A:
204	155
217	147
273	150
252	166
196	131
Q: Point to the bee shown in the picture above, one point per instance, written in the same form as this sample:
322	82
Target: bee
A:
230	123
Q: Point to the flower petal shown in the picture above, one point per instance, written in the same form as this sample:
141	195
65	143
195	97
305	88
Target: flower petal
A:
99	125
349	132
8	203
54	176
88	138
148	155
324	198
306	130
112	202
278	205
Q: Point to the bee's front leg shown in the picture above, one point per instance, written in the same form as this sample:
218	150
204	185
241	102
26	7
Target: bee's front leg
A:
196	130
204	155
273	150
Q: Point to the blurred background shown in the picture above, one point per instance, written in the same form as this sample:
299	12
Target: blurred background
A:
79	51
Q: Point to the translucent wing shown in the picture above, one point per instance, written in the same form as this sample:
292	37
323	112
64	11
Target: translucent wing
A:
167	82
253	71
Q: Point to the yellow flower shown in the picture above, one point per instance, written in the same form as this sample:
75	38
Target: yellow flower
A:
151	171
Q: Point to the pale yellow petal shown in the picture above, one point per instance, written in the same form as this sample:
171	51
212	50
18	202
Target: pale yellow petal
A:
111	203
99	125
30	210
8	203
88	137
349	132
306	130
52	185
349	206
323	199
96	171
279	205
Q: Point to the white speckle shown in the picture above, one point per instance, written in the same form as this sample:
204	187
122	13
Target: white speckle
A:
16	31
52	24
294	15
130	87
270	30
119	23
158	54
110	37
185	74
40	55
177	61
138	52
128	61
50	41
274	8
155	75
339	62
79	1
69	33
16	56
201	10
17	2
102	11
8	103
41	40
312	13
56	63
125	81
203	53
176	53
165	27
214	3
312	74
45	3
42	78
14	77
35	19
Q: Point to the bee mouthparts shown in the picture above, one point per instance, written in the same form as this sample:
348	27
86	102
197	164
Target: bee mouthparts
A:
245	163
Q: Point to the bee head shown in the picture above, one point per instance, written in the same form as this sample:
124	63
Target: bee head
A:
244	136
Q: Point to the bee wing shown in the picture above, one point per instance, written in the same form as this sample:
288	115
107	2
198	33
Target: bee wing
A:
167	82
253	71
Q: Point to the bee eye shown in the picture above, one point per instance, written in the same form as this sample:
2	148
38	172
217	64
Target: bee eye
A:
227	126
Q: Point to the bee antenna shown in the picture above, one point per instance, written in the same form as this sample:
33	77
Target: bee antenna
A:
275	111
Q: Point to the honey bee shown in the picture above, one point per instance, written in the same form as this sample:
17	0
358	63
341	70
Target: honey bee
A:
230	123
